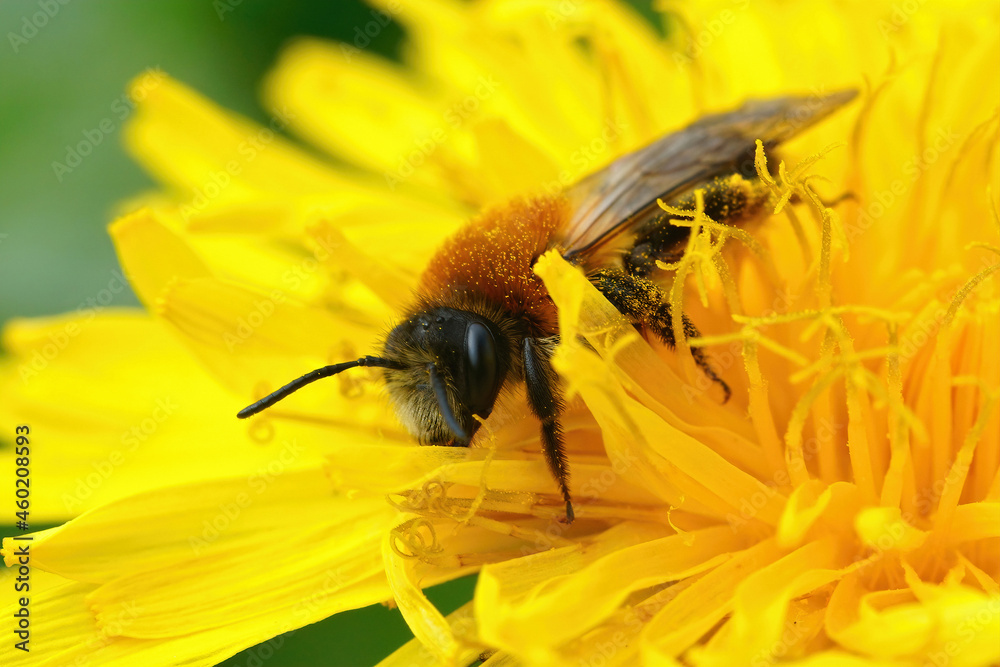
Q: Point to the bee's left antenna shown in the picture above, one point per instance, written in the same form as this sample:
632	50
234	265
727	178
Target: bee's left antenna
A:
311	377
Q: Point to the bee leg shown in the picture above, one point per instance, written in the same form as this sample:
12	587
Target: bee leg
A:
545	401
644	303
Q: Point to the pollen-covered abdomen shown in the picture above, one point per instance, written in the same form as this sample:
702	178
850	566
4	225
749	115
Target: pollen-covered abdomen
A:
488	262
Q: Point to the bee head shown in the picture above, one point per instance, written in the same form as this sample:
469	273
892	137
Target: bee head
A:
450	366
442	367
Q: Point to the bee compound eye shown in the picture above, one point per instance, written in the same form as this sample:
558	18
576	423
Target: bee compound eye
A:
480	369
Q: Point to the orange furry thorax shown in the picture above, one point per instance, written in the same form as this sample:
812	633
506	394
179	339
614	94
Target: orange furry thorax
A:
491	258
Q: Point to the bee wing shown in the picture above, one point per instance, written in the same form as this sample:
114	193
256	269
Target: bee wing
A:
624	193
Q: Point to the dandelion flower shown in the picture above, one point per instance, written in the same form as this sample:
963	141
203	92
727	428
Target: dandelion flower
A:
842	508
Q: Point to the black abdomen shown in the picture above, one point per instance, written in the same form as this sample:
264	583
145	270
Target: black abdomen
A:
728	199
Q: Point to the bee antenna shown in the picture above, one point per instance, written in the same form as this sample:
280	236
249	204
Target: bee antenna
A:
312	376
442	398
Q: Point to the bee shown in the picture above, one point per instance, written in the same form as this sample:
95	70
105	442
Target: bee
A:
483	323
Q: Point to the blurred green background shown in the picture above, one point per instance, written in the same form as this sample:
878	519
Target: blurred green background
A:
63	65
62	79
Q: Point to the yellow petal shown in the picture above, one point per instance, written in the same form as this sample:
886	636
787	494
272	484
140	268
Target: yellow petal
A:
385	121
415	654
512	622
143	439
429	626
696	609
139	233
192	144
